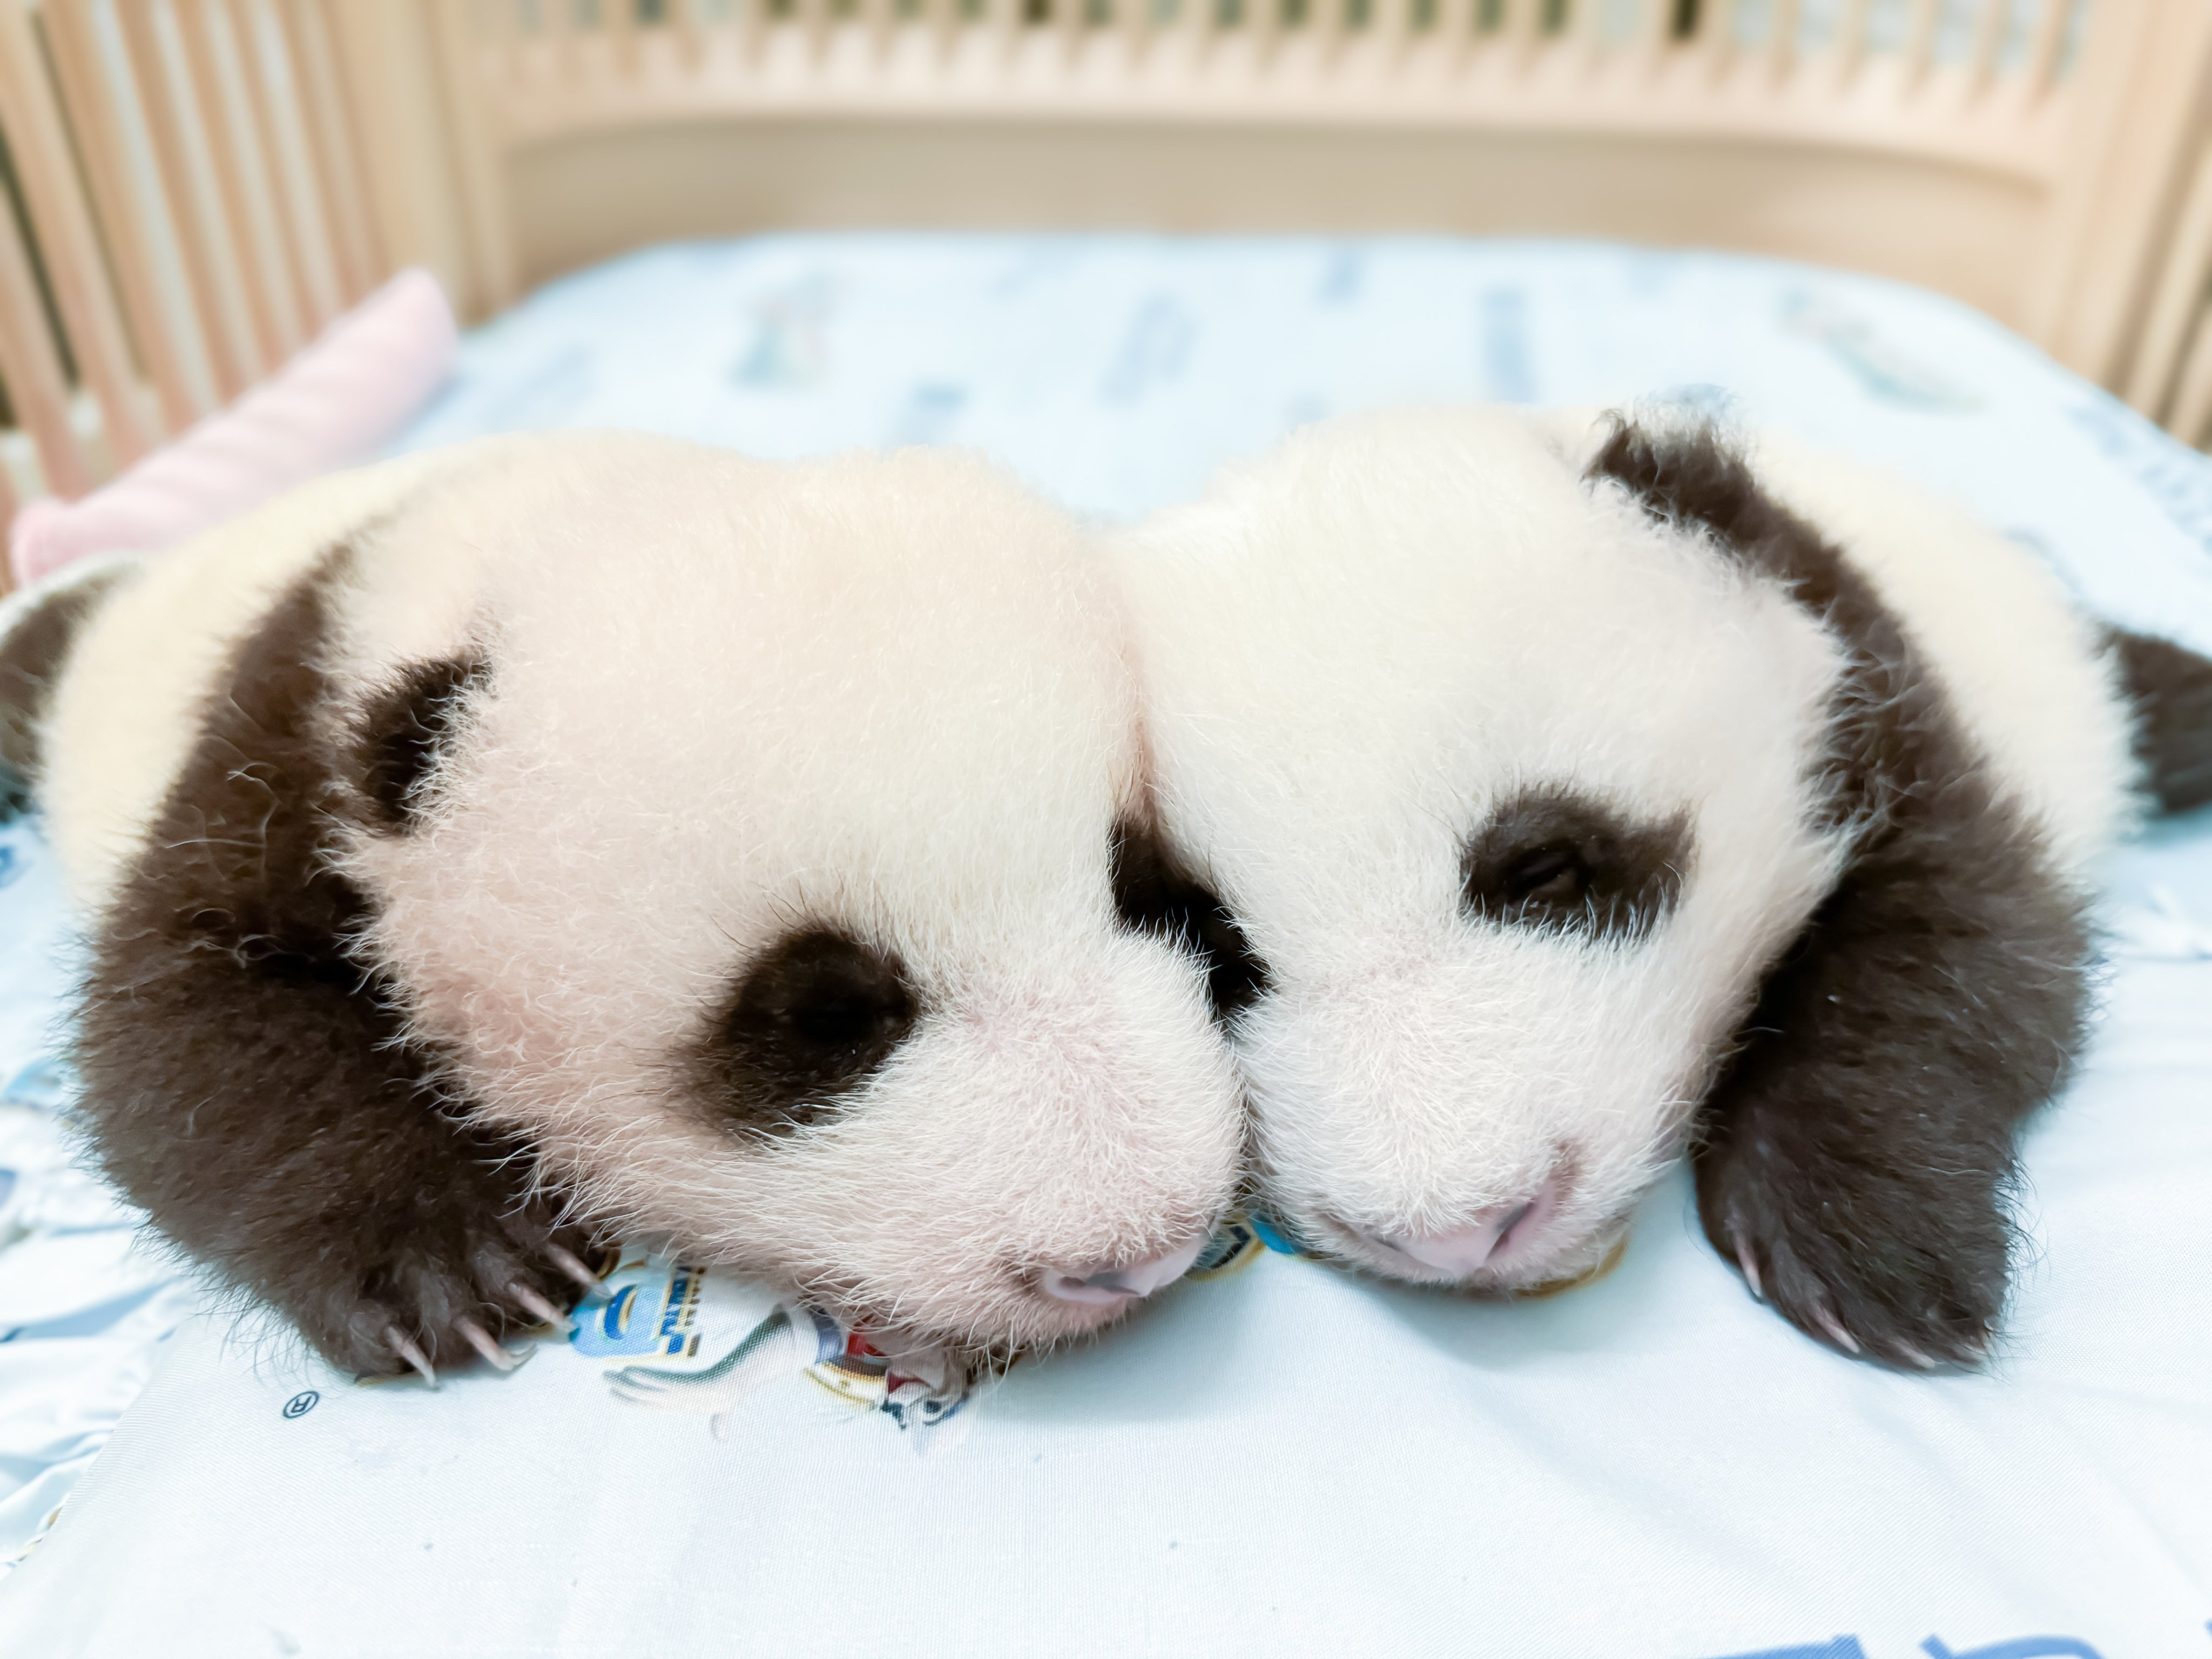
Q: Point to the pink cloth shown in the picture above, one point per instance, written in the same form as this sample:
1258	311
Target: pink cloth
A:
337	401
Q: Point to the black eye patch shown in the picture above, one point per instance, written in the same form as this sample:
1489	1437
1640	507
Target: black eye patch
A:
806	1025
1555	859
403	730
1153	894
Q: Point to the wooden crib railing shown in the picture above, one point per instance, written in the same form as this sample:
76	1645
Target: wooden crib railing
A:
193	187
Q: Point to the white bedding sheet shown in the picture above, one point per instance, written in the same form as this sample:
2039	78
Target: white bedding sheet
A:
1280	1457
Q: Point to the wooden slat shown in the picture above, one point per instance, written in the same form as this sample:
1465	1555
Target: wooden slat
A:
9	506
1391	22
559	17
245	236
90	95
32	123
1263	21
1135	19
488	215
296	227
2044	46
1988	39
33	368
1783	20
618	19
2191	420
814	22
690	28
1920	21
1848	51
1713	36
230	357
2177	301
334	149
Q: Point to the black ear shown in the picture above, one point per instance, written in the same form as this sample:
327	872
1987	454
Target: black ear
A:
2171	688
1153	894
247	1077
33	654
1858	1150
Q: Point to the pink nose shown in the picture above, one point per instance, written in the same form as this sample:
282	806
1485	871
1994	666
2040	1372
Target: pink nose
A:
1492	1235
1115	1286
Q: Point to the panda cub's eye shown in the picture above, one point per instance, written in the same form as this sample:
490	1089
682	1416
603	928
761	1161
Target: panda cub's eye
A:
1555	873
1553	858
809	1022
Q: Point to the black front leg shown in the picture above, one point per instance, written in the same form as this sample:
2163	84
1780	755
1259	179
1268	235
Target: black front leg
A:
251	1084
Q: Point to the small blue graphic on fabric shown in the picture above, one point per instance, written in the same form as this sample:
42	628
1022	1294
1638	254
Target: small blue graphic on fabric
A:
790	345
638	1317
928	413
1504	321
2021	1647
301	1403
1340	278
45	1084
10	866
1271	1233
608	1331
1885	372
1153	350
2171	473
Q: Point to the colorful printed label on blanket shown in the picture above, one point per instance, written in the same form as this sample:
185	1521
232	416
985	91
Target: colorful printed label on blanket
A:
677	1337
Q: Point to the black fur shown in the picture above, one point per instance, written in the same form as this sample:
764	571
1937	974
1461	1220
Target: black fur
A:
1858	1149
808	1024
2172	691
1553	858
404	731
245	1075
32	658
1153	894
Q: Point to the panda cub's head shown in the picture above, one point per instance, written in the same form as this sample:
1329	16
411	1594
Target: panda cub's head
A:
1506	787
735	844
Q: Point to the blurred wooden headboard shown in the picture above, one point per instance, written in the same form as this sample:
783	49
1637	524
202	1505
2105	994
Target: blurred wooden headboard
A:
198	185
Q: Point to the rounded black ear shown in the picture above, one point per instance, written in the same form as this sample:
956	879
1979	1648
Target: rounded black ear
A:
247	1075
1856	1154
1153	894
2171	690
33	652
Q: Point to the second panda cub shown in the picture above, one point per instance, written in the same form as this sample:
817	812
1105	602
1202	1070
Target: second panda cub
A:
596	832
1579	791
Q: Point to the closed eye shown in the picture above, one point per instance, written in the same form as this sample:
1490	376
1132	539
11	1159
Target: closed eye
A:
1554	873
809	1022
1557	860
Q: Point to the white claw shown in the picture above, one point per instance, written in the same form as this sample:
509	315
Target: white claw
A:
539	1305
1743	1260
1912	1356
405	1347
1842	1338
576	1270
480	1340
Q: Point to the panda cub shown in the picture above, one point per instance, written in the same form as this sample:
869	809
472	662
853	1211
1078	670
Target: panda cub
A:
567	835
1579	790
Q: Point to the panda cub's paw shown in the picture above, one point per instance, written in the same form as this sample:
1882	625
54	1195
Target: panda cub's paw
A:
445	1291
1904	1265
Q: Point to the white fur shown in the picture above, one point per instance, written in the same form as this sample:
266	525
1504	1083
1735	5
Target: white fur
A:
1357	647
883	693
